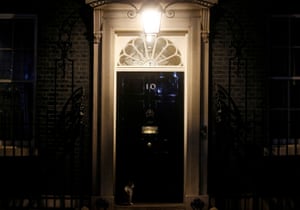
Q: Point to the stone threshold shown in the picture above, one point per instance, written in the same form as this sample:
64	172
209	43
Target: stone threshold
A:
151	206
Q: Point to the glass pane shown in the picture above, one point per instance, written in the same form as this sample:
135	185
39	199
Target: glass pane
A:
295	31
17	39
294	94
24	34
294	124
5	112
278	94
279	62
279	124
24	112
23	65
16	113
6	64
279	32
5	34
295	66
139	52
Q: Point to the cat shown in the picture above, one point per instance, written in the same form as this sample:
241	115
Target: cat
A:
129	191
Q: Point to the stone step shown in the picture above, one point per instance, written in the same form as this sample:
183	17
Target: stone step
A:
145	206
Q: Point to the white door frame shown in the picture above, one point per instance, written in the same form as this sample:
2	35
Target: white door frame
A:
190	19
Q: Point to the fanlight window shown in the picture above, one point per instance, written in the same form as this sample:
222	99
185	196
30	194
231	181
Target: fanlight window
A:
159	52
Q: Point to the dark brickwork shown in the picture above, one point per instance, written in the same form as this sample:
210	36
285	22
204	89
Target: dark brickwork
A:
238	91
63	92
237	35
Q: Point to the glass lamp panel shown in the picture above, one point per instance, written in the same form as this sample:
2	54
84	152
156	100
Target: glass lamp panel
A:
151	21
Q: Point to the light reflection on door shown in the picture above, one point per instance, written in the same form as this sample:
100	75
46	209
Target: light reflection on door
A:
149	136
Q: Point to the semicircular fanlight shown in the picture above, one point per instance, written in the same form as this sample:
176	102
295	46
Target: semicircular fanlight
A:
160	52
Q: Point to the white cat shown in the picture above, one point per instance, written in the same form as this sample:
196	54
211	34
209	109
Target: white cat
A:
129	191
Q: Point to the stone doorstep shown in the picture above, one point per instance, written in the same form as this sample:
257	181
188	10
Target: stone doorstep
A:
146	206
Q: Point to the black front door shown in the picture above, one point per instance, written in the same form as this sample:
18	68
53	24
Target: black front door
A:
149	136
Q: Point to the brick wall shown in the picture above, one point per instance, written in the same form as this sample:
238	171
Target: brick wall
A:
238	72
63	68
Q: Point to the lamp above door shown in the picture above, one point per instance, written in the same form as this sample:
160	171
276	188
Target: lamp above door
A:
151	13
